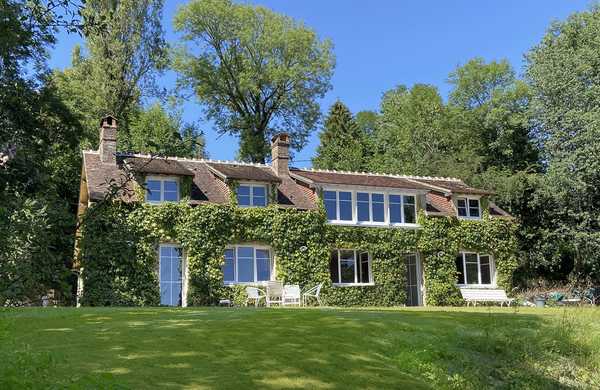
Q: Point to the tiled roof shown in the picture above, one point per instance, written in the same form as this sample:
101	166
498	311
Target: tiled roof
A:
438	204
244	172
157	165
453	185
357	179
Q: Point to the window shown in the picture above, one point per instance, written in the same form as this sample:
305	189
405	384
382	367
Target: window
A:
252	195
338	205
350	267
170	275
412	279
160	190
474	269
370	208
246	264
468	207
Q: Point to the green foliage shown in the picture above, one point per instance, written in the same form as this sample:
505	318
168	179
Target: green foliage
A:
342	143
257	73
564	74
119	247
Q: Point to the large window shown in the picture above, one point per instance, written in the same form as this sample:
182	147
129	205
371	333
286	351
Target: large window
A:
252	195
247	264
160	190
350	267
468	207
170	275
474	269
370	208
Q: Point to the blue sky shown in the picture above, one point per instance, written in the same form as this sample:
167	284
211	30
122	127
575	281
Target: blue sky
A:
380	44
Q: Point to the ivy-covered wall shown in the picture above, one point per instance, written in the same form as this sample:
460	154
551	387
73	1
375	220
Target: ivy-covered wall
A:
119	251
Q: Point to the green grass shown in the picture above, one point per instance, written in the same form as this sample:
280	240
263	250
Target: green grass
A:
210	348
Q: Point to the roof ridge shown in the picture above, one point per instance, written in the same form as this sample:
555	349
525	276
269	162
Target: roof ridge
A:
413	177
200	160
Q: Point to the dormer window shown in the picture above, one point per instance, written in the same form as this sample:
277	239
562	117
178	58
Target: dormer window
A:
162	189
468	208
252	195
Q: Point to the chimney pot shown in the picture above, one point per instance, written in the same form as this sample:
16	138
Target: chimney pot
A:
280	145
108	140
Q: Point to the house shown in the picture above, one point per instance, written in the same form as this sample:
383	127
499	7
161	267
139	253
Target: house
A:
191	231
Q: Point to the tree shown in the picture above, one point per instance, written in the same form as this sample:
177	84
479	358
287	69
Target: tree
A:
342	143
154	131
416	134
123	60
256	72
564	74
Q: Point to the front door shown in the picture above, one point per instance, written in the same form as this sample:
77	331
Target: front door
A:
413	285
170	275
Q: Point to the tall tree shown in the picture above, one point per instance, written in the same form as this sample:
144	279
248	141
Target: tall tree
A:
416	134
256	72
564	73
342	143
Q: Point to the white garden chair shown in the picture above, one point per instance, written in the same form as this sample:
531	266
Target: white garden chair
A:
291	295
274	293
314	292
254	294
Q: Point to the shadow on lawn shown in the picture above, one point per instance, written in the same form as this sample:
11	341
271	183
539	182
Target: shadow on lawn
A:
305	348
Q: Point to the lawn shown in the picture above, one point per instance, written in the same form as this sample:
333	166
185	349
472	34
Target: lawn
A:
222	348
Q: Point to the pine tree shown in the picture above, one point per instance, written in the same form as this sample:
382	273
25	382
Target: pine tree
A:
342	143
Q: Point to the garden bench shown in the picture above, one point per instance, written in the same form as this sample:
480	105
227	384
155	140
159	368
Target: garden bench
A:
474	295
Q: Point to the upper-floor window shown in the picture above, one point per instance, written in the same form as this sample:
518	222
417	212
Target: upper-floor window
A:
474	269
247	264
468	207
162	189
350	267
251	195
370	208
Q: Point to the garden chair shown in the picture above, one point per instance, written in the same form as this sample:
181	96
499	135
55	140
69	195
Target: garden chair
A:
314	292
291	294
254	294
274	293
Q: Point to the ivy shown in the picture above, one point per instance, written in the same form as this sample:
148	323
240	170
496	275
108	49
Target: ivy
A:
119	252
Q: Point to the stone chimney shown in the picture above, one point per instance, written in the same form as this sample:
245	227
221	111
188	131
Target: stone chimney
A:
108	140
280	145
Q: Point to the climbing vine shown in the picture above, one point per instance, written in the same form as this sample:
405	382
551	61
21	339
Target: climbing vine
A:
119	251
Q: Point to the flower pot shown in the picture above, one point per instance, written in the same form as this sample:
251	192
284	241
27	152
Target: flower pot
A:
540	302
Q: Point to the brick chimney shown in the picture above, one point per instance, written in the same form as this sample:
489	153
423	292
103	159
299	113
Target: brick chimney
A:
108	140
280	145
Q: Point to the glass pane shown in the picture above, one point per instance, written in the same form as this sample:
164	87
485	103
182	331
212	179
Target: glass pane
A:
486	270
395	209
330	207
258	191
170	185
347	266
472	273
263	267
245	251
229	268
362	205
460	268
243	200
378	207
165	269
333	267
259	201
409	199
462	207
243	190
153	190
410	213
474	207
170	196
165	293
345	195
345	206
329	195
176	268
176	294
165	251
364	268
245	269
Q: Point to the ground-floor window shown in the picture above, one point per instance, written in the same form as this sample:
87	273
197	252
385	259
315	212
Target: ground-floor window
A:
247	264
349	266
413	277
474	269
170	275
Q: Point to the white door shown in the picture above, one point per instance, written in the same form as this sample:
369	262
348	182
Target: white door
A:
170	275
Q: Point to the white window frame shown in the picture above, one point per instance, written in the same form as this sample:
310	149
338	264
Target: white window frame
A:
467	199
357	264
162	180
492	283
235	266
386	207
183	271
252	185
